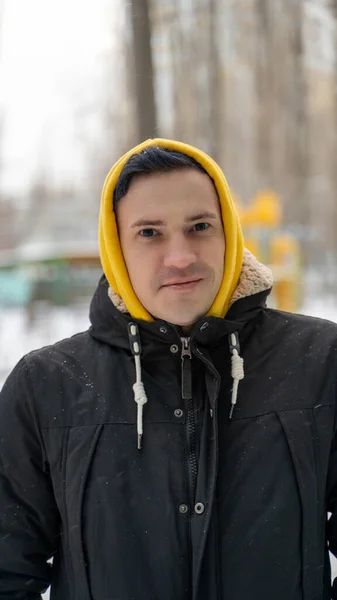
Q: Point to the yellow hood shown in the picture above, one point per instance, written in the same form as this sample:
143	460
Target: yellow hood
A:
110	250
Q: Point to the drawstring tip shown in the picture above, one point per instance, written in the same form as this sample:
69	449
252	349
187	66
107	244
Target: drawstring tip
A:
231	411
139	441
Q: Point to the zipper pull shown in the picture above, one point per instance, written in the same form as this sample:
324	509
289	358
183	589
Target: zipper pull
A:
186	369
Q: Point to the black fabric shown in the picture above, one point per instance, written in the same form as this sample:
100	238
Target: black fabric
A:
74	486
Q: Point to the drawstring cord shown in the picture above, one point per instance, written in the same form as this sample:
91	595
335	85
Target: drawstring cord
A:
237	369
237	373
140	399
138	387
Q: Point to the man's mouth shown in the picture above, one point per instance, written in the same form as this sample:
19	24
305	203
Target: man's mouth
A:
184	284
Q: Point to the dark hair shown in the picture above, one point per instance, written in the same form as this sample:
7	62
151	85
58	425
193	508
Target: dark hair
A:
151	160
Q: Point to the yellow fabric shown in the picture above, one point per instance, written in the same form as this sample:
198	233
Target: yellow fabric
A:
110	250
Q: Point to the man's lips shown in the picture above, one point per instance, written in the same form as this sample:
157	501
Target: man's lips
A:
183	283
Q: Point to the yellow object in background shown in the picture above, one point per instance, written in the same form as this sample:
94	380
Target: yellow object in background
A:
264	211
286	264
253	246
262	222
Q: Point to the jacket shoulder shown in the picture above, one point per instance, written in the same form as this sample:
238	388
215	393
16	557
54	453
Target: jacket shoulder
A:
301	320
302	327
65	376
75	347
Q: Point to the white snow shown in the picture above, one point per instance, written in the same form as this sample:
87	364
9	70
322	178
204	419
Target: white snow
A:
18	336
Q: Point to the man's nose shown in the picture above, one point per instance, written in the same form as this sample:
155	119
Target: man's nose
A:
179	254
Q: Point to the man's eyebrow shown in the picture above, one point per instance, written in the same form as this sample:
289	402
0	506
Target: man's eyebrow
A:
160	223
201	216
147	223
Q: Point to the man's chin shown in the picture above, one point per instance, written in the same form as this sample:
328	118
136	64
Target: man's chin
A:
185	322
180	314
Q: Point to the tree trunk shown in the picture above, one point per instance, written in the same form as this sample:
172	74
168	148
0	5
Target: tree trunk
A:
265	89
216	102
143	67
333	154
299	211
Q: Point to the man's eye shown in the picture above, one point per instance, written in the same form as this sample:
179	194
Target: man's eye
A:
201	226
148	232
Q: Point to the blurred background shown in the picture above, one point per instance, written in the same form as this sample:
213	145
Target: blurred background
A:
252	82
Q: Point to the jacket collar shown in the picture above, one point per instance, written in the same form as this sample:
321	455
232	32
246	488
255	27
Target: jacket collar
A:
110	319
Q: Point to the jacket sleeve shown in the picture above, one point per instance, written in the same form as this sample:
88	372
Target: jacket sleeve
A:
29	518
332	506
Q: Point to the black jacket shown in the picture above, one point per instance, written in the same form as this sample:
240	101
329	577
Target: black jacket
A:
209	508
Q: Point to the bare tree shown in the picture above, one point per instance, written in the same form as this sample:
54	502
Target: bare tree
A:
334	153
2	11
264	87
298	207
8	224
143	66
216	97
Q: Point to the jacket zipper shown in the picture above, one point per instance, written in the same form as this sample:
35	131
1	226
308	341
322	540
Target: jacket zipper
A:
186	387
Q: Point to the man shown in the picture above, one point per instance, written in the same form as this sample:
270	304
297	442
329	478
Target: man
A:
216	483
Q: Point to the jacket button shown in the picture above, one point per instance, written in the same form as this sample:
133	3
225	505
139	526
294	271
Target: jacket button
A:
174	348
183	508
199	508
178	413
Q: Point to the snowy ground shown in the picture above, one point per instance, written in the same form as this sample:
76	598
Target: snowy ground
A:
18	335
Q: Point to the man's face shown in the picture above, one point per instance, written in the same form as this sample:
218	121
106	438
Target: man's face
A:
173	242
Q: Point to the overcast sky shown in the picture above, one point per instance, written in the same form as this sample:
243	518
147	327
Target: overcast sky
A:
51	53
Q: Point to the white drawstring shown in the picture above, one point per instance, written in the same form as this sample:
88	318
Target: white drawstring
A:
138	387
237	371
140	398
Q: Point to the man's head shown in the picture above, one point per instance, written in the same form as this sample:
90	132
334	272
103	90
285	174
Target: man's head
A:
171	234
